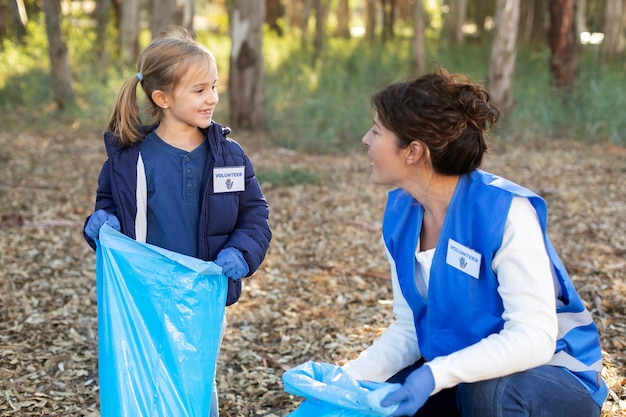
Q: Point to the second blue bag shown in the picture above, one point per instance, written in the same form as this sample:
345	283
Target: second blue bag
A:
330	392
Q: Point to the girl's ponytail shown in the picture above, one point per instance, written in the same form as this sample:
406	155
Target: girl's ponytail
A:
125	119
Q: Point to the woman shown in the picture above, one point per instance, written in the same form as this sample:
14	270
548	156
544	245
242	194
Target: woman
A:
488	322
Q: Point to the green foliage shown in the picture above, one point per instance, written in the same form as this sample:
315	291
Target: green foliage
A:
323	106
588	114
288	177
320	106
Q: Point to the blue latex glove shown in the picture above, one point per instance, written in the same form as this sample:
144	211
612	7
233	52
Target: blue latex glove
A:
232	262
100	217
413	393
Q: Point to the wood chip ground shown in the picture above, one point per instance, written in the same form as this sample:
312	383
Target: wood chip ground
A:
323	292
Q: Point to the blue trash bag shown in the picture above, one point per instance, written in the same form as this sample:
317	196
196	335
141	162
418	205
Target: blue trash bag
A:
160	317
331	392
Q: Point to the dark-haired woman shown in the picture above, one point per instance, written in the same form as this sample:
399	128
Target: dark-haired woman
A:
488	322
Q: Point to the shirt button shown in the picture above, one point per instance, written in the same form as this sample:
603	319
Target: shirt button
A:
189	185
188	170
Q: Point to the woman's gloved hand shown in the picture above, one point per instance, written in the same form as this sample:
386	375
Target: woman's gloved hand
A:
413	394
233	263
99	218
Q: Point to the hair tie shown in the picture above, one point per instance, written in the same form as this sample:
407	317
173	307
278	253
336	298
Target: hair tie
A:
139	76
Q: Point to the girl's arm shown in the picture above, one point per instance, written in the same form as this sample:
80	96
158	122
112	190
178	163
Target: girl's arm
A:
104	199
252	233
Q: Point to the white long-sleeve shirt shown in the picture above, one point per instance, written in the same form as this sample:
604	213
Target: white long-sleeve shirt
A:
528	339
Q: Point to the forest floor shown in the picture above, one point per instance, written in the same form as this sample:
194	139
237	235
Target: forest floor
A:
323	292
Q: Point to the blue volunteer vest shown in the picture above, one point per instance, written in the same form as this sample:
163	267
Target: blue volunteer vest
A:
460	309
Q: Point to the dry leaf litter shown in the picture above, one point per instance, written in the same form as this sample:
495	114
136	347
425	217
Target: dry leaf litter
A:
323	292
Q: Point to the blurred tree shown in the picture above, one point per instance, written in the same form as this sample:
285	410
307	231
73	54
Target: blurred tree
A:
458	14
59	64
13	21
503	54
526	19
319	41
581	16
304	23
246	85
563	41
343	19
4	20
293	13
102	22
129	32
370	19
168	13
539	22
389	14
419	33
613	28
273	14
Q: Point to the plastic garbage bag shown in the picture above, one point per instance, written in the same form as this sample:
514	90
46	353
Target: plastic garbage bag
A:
331	392
160	316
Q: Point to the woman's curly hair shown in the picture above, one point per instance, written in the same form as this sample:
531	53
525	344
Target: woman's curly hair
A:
446	112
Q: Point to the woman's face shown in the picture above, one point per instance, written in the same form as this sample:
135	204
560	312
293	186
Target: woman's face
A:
388	160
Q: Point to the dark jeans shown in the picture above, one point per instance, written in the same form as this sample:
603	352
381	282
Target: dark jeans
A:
545	391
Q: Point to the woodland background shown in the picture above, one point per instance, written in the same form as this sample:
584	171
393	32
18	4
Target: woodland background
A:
306	69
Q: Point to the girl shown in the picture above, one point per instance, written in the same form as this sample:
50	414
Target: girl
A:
488	322
180	183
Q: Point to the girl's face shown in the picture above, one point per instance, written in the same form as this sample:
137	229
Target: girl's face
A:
194	99
388	160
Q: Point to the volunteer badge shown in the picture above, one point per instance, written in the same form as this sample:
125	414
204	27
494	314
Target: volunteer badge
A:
229	179
463	258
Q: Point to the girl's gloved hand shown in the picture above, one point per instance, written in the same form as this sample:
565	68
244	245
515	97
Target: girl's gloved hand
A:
233	263
99	218
413	394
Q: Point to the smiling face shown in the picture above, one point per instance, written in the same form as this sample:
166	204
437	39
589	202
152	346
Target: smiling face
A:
388	160
194	99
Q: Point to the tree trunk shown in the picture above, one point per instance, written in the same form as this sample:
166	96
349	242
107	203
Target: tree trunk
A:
129	32
419	52
293	13
343	19
19	18
273	13
563	40
540	23
306	13
527	17
389	8
4	21
59	64
581	16
458	14
503	54
321	11
102	22
169	13
612	46
370	20
246	85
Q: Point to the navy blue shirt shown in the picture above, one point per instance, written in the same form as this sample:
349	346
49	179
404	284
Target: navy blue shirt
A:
174	180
